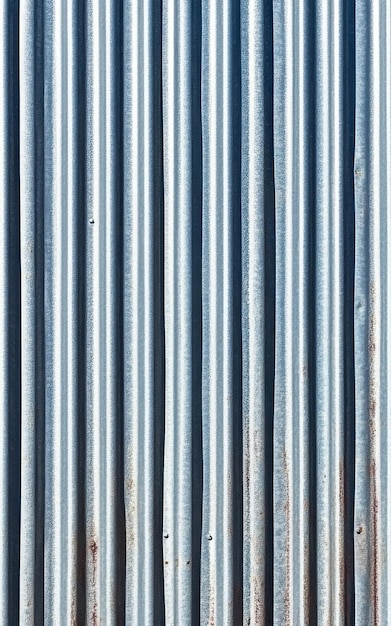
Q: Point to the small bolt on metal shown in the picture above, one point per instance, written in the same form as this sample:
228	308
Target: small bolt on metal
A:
209	537
91	220
165	535
359	530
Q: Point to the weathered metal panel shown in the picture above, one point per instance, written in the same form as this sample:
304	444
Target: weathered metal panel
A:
194	276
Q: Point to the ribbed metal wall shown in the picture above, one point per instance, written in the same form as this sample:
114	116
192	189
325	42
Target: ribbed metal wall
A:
195	279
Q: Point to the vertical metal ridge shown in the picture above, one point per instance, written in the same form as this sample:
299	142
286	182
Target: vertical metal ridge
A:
372	199
219	598
291	423
284	410
113	371
362	554
139	286
253	206
95	221
329	286
301	442
61	314
177	135
70	480
32	323
72	493
101	219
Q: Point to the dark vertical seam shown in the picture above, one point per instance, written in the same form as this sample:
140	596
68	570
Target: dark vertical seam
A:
14	316
269	296
118	122
81	36
196	311
236	299
39	174
311	308
158	316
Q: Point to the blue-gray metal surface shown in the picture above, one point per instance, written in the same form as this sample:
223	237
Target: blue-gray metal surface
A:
195	206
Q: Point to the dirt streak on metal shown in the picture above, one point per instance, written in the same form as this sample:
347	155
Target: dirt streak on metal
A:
372	348
287	507
74	586
341	479
212	590
306	590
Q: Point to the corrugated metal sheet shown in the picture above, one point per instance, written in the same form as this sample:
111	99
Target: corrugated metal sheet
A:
196	292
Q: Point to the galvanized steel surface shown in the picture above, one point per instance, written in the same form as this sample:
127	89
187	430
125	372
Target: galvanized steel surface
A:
195	280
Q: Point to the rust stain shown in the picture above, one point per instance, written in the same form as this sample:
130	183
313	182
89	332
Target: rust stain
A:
306	589
371	356
247	465
375	530
93	546
74	597
211	620
341	485
230	499
288	542
212	615
372	348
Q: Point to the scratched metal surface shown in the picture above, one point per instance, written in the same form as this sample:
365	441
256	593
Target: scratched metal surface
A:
195	207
